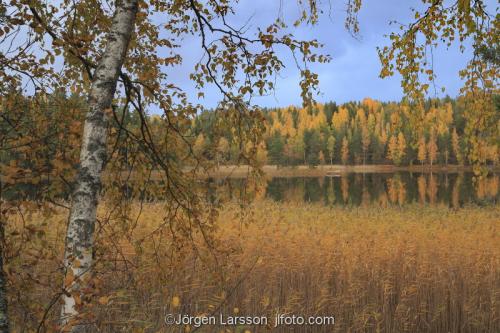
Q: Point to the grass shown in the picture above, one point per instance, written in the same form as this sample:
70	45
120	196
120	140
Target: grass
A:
411	269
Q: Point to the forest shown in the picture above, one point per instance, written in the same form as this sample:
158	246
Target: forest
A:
355	133
365	132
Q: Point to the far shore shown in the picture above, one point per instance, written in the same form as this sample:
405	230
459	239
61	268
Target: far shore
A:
333	170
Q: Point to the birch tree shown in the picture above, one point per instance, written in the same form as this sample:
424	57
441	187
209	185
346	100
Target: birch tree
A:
331	148
4	317
82	218
119	47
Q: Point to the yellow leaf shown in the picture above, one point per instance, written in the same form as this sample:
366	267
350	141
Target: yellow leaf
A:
104	300
176	301
68	280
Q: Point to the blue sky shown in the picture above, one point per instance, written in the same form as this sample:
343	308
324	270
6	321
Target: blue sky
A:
353	72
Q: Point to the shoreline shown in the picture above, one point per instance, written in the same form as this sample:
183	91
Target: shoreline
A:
334	170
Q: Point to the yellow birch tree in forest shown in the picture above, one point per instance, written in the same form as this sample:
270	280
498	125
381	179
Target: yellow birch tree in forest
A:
345	151
199	145
331	148
422	150
397	148
455	144
401	146
432	149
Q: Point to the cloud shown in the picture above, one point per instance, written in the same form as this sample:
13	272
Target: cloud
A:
354	71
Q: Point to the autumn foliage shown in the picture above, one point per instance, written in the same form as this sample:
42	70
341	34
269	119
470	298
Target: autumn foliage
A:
366	132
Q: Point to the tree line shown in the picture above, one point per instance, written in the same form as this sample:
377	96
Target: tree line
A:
354	133
366	132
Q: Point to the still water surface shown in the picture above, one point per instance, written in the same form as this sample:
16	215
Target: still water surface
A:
355	189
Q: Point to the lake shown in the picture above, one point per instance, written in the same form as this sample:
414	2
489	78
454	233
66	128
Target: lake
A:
349	189
356	189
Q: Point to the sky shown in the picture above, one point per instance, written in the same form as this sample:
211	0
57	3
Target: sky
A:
353	73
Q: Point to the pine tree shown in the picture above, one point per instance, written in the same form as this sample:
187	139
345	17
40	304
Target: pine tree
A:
365	140
276	146
312	144
297	149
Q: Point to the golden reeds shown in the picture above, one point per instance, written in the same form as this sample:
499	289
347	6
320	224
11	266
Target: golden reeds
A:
395	269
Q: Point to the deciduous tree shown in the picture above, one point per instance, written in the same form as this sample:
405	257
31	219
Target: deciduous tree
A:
432	149
331	148
345	151
422	150
455	144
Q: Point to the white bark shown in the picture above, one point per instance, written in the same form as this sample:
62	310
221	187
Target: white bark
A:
79	236
4	316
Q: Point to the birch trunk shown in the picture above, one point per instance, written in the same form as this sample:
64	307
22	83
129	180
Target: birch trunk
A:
4	316
80	233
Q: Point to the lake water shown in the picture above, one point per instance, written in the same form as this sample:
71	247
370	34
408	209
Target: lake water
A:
449	189
352	189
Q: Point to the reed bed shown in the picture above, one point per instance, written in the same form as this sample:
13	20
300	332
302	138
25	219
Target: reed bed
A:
392	269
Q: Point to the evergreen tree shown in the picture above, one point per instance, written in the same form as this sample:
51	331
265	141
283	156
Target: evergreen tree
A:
275	147
312	146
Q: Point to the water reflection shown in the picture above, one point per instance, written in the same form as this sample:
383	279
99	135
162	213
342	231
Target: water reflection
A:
453	190
356	189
